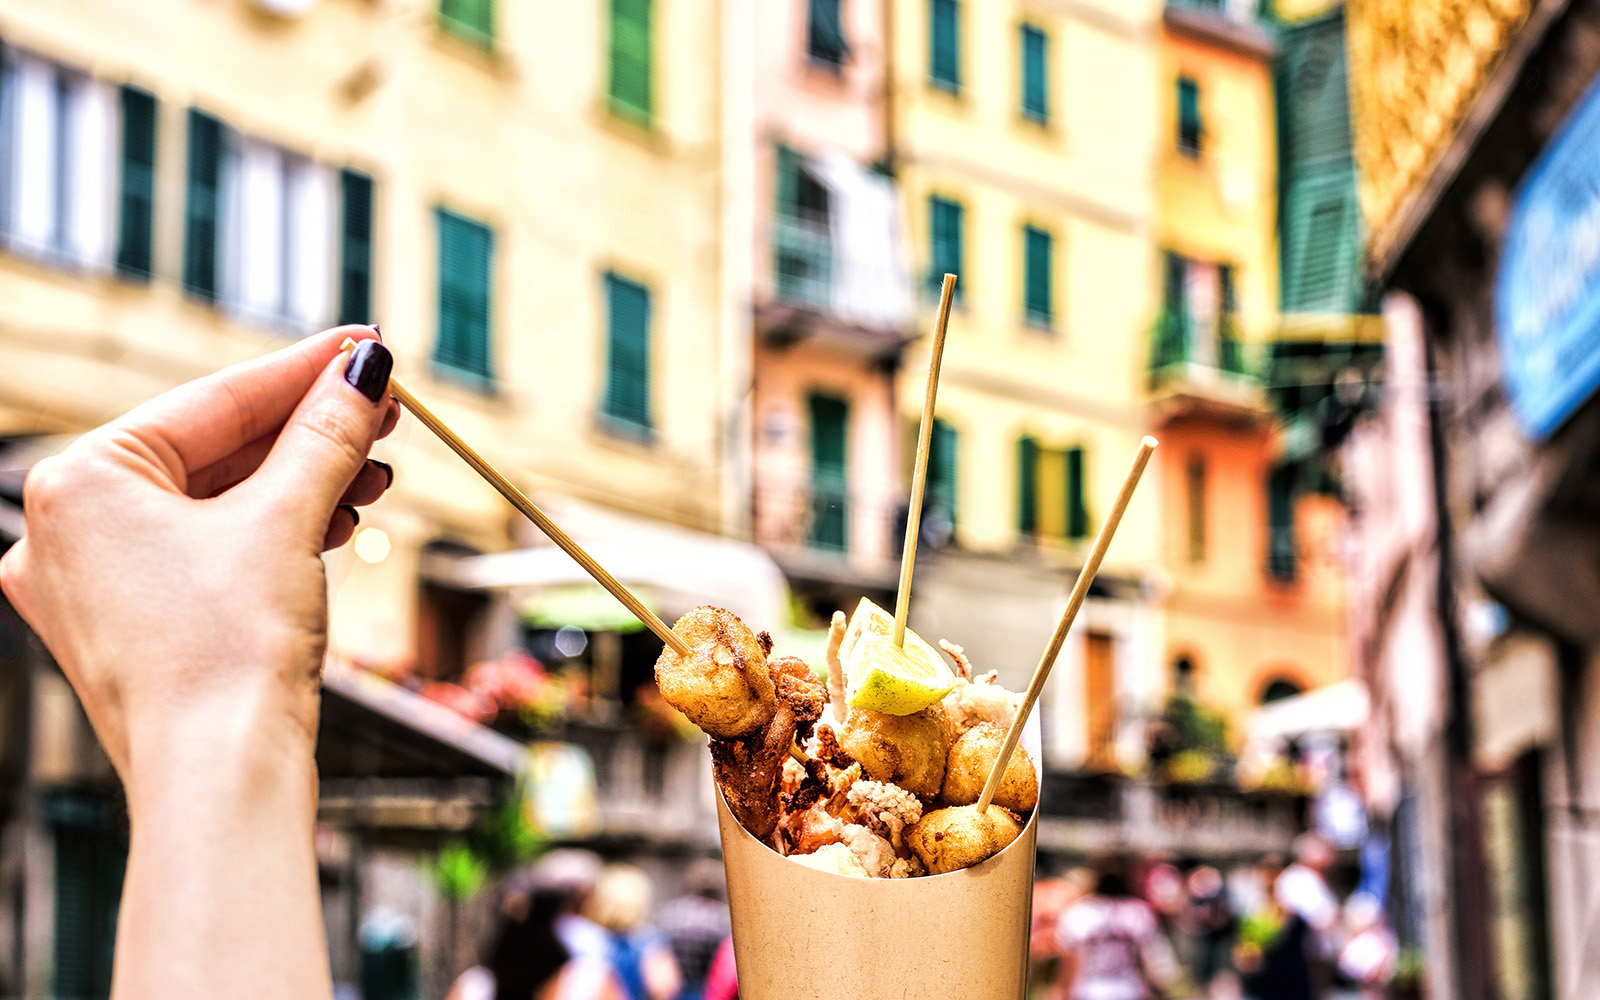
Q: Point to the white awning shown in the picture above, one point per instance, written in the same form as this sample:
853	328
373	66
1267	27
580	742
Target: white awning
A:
677	568
1335	708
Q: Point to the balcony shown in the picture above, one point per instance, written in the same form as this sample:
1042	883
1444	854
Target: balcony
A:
1080	812
828	533
1196	368
802	260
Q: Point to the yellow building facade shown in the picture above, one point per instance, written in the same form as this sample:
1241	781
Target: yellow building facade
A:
542	246
1023	137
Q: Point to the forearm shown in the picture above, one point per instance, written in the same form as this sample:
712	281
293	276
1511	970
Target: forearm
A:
221	897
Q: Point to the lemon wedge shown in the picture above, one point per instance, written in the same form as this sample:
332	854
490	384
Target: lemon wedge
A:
883	677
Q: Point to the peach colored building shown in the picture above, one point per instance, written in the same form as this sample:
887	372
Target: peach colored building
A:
829	305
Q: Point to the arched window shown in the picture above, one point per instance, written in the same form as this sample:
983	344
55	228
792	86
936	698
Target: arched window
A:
1280	688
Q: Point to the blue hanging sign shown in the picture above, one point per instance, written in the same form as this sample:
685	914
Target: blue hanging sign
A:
1547	296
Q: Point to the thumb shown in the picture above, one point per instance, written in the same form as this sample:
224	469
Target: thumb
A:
326	439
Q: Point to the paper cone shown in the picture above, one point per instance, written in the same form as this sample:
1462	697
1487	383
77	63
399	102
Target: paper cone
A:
803	934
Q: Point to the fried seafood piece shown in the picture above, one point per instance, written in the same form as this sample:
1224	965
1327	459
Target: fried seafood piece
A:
837	626
958	654
750	769
957	837
981	700
907	750
884	809
723	685
835	858
972	757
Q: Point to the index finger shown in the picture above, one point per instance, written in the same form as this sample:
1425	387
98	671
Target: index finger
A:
210	418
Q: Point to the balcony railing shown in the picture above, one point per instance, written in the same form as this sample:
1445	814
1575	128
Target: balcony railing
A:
802	260
1179	344
1079	812
827	518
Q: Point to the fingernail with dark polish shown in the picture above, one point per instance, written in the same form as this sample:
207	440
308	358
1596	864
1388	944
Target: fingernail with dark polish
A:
377	331
355	518
368	369
387	469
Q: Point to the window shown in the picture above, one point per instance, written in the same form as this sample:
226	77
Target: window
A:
631	86
1189	124
200	206
625	406
1051	492
1035	75
946	243
830	476
1037	276
276	236
59	137
825	42
466	255
355	247
1199	316
1196	483
802	252
944	45
136	204
1281	549
939	494
469	20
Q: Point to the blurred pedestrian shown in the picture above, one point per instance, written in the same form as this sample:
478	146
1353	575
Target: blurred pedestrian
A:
1292	937
696	923
1370	952
1051	897
722	982
1111	945
1212	924
640	957
525	959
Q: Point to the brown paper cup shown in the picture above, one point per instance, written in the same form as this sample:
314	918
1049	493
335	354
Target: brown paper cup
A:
803	934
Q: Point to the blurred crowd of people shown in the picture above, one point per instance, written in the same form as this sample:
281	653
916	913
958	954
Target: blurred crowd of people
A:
1131	928
575	928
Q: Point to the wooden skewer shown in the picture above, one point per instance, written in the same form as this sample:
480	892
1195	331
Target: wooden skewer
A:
919	474
1080	590
534	514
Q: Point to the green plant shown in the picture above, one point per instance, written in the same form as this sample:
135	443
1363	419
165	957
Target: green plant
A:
459	872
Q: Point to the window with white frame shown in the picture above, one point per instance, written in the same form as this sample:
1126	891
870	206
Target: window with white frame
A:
58	161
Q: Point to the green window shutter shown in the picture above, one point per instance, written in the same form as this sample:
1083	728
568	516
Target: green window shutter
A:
1077	506
1037	276
631	73
1314	98
946	222
1197	507
940	494
1172	330
1281	548
1190	126
466	252
1035	74
470	20
1231	351
1027	485
944	44
355	247
830	476
825	41
136	204
627	391
1321	243
200	206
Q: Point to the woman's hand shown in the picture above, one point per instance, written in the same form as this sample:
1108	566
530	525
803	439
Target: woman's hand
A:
173	566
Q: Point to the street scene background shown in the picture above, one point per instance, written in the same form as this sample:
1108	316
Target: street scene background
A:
672	266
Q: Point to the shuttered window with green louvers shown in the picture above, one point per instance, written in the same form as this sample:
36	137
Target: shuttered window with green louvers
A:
1035	74
200	206
1077	502
830	473
625	406
947	243
1038	267
944	44
1190	126
1282	552
940	493
469	20
1321	243
136	201
1027	485
631	84
825	42
355	247
466	252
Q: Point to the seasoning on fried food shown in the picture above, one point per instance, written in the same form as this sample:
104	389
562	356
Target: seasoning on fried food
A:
908	750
